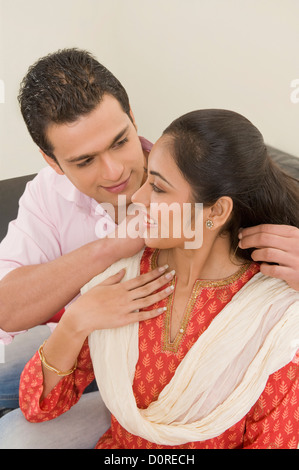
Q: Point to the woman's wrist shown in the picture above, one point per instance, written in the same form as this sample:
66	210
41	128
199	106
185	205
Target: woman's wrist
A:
73	324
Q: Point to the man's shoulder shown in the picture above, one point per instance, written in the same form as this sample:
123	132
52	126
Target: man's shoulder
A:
146	144
45	178
47	181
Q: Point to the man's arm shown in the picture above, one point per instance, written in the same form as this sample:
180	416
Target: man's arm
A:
277	244
31	295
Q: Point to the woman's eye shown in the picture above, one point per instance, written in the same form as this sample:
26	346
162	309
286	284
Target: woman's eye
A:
156	189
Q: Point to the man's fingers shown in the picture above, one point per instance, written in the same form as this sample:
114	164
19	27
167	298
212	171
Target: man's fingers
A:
262	230
261	240
272	255
276	271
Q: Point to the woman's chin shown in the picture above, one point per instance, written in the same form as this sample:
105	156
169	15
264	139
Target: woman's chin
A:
153	243
161	243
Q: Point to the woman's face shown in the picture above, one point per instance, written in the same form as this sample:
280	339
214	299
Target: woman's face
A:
166	198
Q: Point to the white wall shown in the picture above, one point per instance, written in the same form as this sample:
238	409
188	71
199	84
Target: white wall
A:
172	56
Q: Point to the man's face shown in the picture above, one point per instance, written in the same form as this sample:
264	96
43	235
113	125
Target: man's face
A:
100	153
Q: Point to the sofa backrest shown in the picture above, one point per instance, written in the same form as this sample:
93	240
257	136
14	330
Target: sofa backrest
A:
10	192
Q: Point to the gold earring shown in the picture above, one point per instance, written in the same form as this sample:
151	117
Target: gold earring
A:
209	223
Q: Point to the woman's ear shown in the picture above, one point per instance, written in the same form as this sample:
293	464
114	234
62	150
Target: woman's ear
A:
220	212
52	162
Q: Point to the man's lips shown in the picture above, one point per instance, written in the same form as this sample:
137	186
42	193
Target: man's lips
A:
117	188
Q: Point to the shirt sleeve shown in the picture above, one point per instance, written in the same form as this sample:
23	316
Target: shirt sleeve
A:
32	238
273	422
62	397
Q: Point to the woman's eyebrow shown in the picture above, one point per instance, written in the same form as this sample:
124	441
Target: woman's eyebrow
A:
155	173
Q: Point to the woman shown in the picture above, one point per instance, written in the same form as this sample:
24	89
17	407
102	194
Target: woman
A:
216	369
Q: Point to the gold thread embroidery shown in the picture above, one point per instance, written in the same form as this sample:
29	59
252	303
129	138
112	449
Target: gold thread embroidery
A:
198	286
173	346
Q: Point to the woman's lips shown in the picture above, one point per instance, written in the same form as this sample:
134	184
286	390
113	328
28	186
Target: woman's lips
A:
118	188
148	221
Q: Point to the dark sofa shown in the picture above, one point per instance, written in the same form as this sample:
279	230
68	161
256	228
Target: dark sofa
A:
12	189
10	192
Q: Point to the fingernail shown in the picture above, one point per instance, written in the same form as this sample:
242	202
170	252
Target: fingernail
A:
163	268
162	309
169	289
170	275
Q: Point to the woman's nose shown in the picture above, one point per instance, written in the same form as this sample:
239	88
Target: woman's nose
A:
142	195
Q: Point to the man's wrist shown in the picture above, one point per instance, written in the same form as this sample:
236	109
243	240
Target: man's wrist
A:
104	253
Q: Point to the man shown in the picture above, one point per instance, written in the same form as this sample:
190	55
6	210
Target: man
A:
79	116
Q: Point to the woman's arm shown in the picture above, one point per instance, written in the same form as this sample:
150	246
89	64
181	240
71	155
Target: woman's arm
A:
110	304
26	293
62	397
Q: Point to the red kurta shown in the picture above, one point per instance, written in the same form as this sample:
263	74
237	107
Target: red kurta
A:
273	422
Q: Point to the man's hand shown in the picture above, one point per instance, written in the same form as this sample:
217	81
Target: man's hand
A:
129	237
277	244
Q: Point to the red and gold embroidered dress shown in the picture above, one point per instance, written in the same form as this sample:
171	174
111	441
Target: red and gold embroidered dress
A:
273	422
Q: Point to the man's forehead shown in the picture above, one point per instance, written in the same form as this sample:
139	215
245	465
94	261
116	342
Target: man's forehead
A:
110	143
101	128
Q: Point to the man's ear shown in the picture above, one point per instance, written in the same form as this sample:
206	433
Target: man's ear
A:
53	163
133	118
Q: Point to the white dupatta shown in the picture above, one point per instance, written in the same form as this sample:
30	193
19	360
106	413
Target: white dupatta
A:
220	378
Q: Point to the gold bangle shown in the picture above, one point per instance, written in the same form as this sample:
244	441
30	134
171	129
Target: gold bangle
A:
51	368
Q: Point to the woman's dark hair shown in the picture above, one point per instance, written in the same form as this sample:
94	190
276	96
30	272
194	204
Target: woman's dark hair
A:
63	86
221	153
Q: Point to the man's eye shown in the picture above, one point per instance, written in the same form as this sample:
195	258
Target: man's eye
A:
85	163
156	189
120	143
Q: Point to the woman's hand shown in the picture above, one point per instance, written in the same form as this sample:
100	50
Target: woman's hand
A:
112	304
277	244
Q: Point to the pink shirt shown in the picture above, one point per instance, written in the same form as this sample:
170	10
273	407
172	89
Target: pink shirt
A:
54	219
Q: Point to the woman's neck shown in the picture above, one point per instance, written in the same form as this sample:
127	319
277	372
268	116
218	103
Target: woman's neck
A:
213	261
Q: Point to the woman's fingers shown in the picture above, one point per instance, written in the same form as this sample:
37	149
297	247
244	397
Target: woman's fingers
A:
114	279
145	278
152	299
151	287
144	315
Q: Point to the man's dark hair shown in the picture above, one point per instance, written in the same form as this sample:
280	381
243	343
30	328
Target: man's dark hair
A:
63	86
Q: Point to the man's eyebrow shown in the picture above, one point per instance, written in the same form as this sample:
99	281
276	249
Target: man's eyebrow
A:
155	173
81	157
94	154
119	135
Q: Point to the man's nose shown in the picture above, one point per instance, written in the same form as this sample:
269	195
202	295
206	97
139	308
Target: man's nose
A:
111	170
